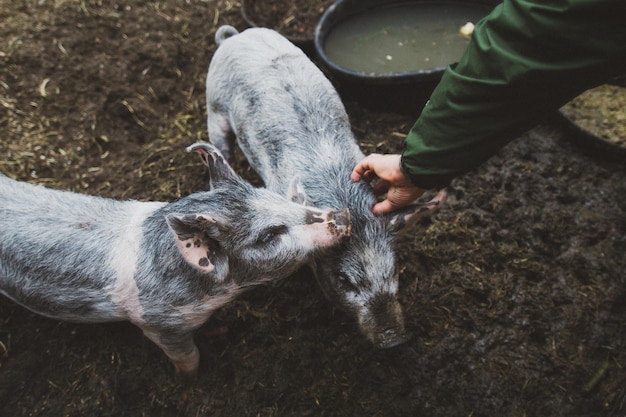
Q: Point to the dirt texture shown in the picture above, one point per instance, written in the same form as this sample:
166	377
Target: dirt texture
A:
295	19
515	292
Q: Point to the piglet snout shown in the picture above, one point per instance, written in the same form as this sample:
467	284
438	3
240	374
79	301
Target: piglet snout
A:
339	222
391	337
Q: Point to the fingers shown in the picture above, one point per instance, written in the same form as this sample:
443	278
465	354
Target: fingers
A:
400	191
383	207
385	167
397	197
363	169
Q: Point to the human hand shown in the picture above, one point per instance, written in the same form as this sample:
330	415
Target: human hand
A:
399	189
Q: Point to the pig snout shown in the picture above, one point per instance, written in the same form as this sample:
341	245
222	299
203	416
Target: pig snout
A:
390	337
339	222
325	228
382	322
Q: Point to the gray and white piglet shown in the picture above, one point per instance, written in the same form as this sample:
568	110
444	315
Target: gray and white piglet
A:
289	121
165	267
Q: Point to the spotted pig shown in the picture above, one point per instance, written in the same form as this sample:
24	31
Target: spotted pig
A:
288	120
165	267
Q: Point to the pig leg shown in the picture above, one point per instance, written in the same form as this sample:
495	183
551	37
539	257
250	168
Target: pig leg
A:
220	133
179	347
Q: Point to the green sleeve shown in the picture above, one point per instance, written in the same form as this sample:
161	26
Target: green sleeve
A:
525	60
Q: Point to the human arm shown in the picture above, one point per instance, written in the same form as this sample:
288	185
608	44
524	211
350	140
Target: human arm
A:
525	60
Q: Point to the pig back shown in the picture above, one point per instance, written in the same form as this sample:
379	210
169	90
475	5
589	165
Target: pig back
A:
55	250
285	113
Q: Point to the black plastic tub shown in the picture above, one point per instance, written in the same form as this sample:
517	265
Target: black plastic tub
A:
401	92
303	42
589	143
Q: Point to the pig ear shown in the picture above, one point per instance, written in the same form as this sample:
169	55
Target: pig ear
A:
193	238
297	194
219	170
414	212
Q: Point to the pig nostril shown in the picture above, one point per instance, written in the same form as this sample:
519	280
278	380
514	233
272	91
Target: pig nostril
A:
390	334
341	218
391	337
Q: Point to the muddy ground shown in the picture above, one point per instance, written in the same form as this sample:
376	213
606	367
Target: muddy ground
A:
515	292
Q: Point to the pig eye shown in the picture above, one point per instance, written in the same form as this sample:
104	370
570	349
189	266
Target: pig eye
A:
346	284
270	234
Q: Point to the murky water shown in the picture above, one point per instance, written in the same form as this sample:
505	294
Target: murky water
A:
403	37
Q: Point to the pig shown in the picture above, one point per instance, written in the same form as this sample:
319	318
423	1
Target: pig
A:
264	94
165	267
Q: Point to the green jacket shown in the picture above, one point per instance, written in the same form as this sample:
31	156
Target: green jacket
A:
524	61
